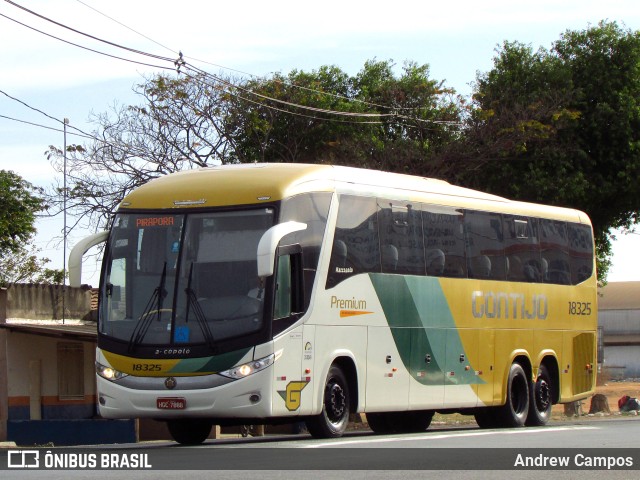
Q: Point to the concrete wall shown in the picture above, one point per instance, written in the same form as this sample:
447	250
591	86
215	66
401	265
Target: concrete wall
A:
619	322
44	302
622	361
33	377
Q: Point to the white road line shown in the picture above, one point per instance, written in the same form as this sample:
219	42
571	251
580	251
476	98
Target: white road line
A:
427	436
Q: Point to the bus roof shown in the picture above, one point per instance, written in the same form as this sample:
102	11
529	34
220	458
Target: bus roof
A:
255	183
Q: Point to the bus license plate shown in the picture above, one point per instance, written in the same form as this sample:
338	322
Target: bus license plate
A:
171	403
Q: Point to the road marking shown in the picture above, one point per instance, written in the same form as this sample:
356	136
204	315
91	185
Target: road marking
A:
428	436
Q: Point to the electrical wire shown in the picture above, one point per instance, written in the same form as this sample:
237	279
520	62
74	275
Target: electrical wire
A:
181	63
333	95
44	126
83	47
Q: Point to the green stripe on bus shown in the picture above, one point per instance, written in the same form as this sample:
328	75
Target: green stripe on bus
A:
422	325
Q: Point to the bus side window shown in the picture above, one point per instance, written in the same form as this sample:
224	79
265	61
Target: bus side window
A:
580	252
522	249
311	209
485	247
401	242
289	288
356	248
282	305
443	231
554	248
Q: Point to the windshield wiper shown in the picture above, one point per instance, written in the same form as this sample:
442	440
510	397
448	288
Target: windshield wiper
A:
192	302
144	322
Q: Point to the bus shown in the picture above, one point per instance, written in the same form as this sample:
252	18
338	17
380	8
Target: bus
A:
273	293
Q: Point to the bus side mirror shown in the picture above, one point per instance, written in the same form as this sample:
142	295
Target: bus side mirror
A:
75	257
269	242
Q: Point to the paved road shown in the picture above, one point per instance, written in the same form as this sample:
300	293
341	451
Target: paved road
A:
457	447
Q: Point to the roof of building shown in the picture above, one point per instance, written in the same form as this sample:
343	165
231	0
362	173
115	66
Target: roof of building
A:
619	296
81	332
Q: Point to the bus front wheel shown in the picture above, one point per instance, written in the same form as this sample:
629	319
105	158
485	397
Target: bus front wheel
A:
189	432
334	418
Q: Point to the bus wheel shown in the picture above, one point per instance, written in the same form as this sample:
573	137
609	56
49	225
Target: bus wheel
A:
514	412
541	399
189	432
379	422
400	422
413	421
333	420
485	417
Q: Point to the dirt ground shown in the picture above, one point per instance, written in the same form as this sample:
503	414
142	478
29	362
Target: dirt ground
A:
613	390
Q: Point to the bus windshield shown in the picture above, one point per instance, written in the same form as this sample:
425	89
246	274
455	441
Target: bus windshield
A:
183	279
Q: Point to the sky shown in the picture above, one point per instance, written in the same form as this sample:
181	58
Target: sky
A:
457	39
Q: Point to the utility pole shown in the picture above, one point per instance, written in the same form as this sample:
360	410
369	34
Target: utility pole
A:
64	216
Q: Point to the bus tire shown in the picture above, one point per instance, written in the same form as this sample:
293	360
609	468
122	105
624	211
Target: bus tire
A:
189	431
541	400
514	412
334	418
415	421
485	417
400	422
378	422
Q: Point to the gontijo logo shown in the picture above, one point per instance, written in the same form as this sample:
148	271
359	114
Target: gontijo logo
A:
349	307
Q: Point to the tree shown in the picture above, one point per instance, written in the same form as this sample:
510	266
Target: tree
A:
375	119
178	126
18	212
21	202
561	127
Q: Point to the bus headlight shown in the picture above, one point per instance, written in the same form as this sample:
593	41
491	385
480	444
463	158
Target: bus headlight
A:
249	368
108	372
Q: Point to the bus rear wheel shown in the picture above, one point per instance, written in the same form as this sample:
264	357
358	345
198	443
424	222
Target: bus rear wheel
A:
514	412
541	400
189	431
334	418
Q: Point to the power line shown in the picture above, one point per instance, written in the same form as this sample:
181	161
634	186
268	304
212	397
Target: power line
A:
127	27
181	63
81	46
43	126
334	95
140	52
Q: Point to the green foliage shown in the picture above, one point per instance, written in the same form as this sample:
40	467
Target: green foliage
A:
17	215
24	266
389	121
18	261
562	127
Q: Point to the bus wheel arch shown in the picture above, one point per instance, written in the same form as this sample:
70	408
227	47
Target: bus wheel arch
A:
348	367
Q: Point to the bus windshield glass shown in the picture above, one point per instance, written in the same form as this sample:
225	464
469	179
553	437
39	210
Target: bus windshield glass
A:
183	279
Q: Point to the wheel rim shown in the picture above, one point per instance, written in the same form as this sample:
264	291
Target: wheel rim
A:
335	402
543	395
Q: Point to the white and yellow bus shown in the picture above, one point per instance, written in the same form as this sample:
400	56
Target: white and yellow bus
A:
269	293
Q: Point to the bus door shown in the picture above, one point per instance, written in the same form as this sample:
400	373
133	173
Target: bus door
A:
291	395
